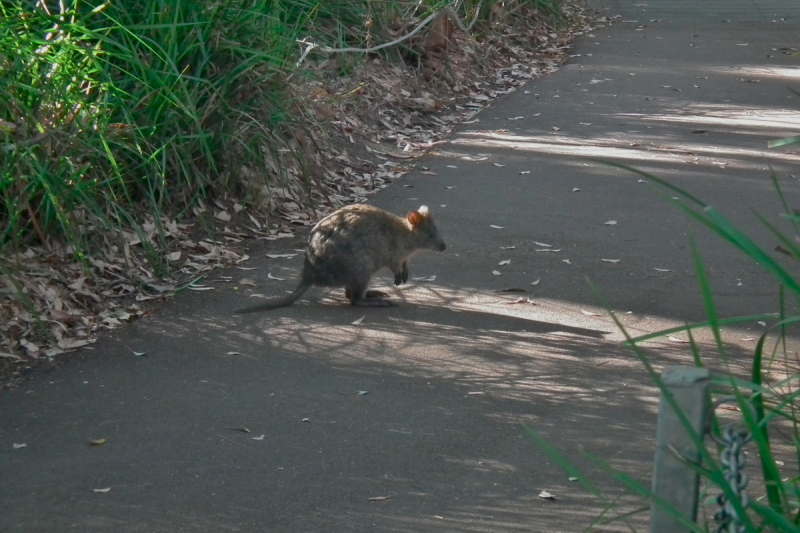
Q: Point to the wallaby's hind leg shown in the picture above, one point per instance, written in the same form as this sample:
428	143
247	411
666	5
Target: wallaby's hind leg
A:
369	294
376	294
367	298
373	302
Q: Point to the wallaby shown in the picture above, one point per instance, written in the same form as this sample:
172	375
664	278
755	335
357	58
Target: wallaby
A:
352	244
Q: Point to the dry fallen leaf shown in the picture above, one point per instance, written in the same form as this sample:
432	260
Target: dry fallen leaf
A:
662	269
498	165
496	227
18	446
567	261
610	260
425	278
224	216
505	262
71	344
378	498
590	313
610	223
576	190
247	282
521	300
102	490
260	437
77	284
523	172
359	321
280	256
677	339
97	442
546	495
536	282
270	276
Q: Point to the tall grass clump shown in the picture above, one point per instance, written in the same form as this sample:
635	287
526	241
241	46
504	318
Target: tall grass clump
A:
767	398
117	106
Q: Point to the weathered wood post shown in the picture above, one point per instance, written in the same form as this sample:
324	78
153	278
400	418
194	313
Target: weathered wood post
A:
673	481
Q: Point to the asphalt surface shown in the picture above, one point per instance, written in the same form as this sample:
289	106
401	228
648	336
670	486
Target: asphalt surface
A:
451	372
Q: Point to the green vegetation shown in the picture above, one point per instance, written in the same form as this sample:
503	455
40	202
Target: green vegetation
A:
117	113
764	403
136	105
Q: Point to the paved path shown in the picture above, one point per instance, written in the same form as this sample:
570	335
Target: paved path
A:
452	371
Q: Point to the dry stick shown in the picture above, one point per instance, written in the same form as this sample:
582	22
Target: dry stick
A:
445	10
232	442
39	139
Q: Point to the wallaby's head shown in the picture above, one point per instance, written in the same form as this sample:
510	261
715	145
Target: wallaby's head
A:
426	236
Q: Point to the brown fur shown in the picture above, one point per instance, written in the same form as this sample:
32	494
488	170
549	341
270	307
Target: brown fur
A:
352	244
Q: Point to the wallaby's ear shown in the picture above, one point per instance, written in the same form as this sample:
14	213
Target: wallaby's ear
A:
415	218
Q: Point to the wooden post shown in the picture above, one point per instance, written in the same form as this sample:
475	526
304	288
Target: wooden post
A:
673	481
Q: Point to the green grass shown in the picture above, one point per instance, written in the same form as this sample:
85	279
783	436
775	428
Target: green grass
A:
134	106
762	403
121	113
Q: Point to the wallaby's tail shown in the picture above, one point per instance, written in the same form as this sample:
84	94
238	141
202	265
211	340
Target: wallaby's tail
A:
305	284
